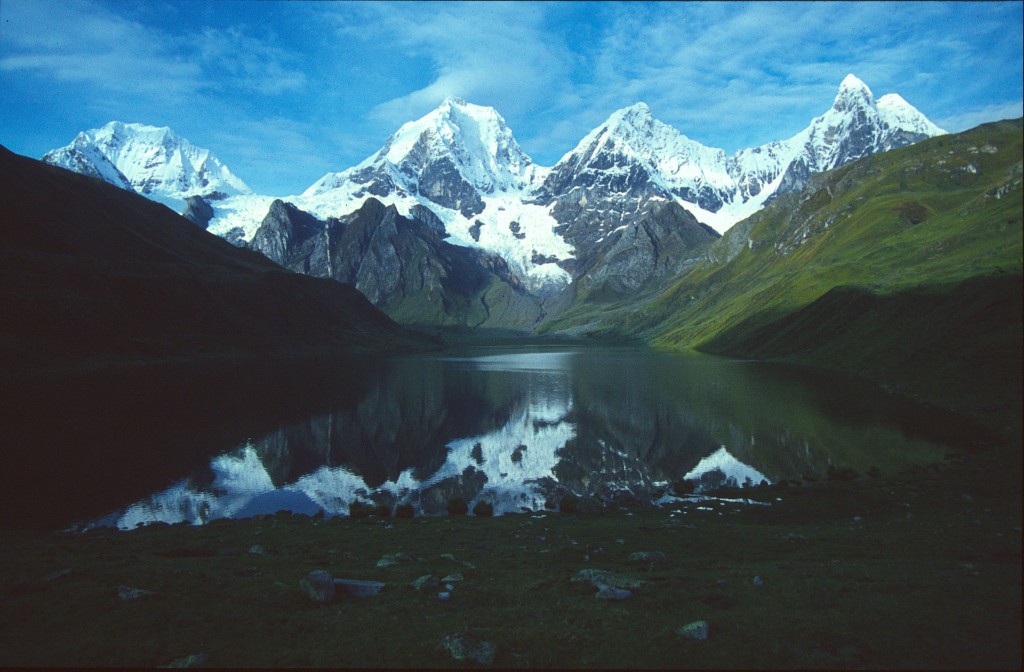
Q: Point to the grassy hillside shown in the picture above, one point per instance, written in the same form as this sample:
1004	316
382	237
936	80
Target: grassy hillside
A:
864	271
92	275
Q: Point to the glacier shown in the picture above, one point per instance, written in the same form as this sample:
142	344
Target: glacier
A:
463	163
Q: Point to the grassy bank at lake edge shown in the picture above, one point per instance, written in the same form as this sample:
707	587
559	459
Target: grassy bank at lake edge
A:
918	570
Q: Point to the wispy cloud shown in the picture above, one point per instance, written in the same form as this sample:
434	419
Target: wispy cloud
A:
322	85
740	74
496	54
980	115
234	60
79	42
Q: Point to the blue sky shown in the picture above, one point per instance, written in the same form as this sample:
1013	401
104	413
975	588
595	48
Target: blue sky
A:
284	92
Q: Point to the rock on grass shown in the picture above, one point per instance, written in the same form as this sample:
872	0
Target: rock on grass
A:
466	647
653	557
613	594
602	578
697	630
128	594
426	582
392	559
318	586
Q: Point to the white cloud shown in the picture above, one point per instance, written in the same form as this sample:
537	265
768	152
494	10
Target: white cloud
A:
78	42
233	59
496	54
968	119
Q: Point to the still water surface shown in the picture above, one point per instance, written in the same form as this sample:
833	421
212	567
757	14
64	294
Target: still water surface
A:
520	427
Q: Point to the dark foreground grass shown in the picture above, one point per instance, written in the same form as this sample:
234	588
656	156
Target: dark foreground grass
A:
921	570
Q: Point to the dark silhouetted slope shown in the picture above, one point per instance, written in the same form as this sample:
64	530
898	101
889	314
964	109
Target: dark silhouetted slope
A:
92	274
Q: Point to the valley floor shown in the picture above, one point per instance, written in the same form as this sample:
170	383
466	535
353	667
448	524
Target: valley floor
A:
920	570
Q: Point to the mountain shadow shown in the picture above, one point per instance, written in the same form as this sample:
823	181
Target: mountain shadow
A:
94	275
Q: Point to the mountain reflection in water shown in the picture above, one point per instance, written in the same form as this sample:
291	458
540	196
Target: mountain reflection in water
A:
520	428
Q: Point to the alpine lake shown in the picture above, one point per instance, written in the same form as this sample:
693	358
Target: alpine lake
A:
807	518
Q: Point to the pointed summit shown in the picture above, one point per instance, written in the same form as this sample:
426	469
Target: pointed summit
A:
851	81
474	139
853	93
637	110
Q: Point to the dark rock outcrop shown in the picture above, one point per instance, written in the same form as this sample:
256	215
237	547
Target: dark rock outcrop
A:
402	265
661	242
198	211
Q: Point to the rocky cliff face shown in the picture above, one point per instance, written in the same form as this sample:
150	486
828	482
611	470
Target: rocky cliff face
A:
403	265
662	241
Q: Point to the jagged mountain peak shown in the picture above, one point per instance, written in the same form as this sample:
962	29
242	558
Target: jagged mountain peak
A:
637	114
123	129
634	131
454	156
853	82
853	93
474	139
151	160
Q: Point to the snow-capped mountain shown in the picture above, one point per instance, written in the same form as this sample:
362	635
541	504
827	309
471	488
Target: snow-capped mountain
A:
632	158
152	161
452	156
462	162
550	226
856	126
722	469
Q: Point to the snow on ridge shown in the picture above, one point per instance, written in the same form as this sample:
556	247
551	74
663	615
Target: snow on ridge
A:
484	153
535	232
898	113
475	137
153	161
735	472
743	182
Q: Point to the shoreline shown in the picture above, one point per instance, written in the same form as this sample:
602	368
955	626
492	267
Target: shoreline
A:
921	569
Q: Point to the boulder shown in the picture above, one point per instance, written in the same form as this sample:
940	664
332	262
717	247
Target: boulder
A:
697	630
653	557
319	586
465	647
425	582
613	594
392	559
127	594
601	578
356	588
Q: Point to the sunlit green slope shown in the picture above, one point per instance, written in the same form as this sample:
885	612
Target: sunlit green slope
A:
865	270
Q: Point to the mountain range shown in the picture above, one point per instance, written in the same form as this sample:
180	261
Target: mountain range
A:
903	265
479	235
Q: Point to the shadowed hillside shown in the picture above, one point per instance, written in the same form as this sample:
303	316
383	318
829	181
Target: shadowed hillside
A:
91	274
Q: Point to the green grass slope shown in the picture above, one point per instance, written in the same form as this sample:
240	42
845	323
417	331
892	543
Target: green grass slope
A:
867	270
